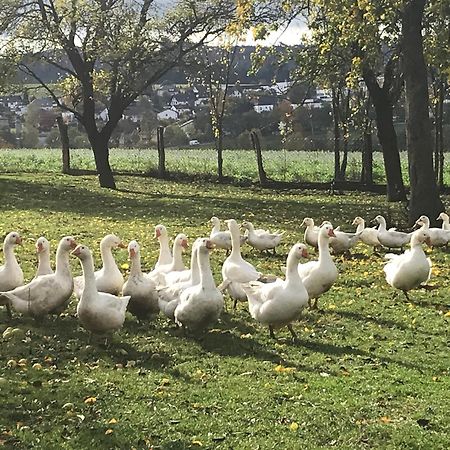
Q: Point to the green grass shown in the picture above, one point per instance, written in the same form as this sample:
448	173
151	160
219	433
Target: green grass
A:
241	164
368	371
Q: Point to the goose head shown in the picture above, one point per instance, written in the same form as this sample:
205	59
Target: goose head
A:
182	241
358	221
67	243
443	216
13	238
160	231
247	225
112	241
82	252
423	220
326	230
308	222
42	245
232	225
300	250
204	245
380	219
215	220
133	249
420	237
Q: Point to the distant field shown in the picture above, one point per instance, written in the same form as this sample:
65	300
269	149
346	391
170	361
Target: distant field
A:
240	164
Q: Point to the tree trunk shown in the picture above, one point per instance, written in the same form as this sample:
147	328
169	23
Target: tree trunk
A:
64	135
424	198
259	160
387	136
161	152
219	149
367	160
100	148
337	136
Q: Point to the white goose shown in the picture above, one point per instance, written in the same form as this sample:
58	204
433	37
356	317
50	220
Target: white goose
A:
169	296
318	276
391	238
438	236
235	270
342	242
142	290
179	244
165	255
47	293
98	312
311	232
109	278
445	220
408	270
11	275
262	240
43	254
222	239
201	304
368	235
279	303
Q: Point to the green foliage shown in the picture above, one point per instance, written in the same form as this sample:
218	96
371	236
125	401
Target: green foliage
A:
368	370
174	136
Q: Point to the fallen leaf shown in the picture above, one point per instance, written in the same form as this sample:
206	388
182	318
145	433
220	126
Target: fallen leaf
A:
109	431
385	419
90	400
293	426
112	421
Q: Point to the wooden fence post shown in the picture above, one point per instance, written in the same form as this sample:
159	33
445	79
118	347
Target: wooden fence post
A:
161	152
63	132
259	160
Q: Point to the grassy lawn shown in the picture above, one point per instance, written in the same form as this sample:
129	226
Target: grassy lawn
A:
369	370
313	166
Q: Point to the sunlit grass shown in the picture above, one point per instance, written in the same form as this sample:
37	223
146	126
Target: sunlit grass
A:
280	165
370	370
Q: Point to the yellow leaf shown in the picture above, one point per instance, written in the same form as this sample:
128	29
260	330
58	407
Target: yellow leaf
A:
90	400
282	369
199	443
447	314
125	266
385	419
293	426
109	431
112	421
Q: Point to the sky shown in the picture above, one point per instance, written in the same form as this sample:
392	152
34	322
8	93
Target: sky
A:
288	36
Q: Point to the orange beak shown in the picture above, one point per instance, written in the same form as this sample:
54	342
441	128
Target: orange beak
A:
132	252
73	243
76	252
18	240
331	233
210	245
305	253
184	243
157	233
40	247
428	241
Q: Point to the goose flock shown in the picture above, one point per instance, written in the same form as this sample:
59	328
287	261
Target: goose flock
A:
188	296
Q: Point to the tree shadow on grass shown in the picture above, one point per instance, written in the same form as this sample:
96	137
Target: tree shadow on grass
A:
63	194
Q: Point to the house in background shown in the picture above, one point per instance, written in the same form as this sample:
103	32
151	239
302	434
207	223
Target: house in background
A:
168	114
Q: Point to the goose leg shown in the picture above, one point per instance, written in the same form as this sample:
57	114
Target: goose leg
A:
8	311
293	333
406	295
271	333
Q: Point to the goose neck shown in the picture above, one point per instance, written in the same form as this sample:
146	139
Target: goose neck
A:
62	263
324	249
107	258
292	273
206	277
136	265
10	257
89	276
44	261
